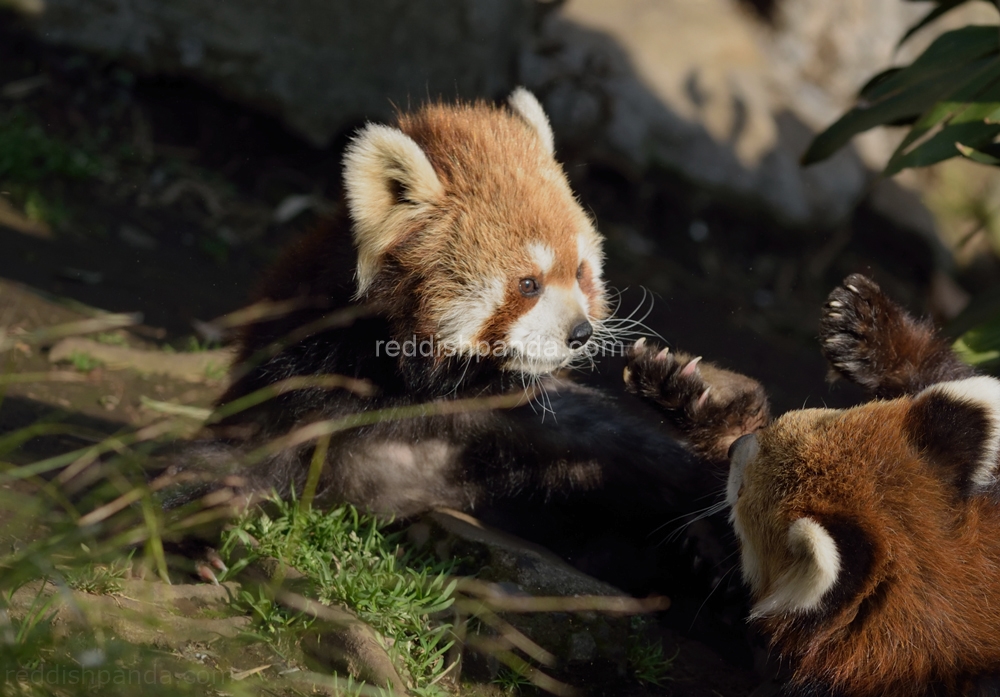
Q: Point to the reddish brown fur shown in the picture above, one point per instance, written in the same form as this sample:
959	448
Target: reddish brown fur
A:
503	192
928	608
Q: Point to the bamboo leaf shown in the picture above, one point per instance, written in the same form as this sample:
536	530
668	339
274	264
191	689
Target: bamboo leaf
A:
949	51
980	346
963	61
973	100
977	155
941	146
943	7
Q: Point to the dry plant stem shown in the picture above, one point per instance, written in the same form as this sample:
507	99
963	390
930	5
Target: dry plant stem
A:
496	599
511	636
151	432
154	542
362	388
333	320
215	498
83	326
522	667
265	311
326	427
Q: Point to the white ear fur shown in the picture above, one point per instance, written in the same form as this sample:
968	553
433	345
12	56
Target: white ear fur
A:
984	393
379	163
813	571
526	105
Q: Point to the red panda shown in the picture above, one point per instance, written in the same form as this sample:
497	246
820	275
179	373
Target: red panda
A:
870	340
470	270
870	537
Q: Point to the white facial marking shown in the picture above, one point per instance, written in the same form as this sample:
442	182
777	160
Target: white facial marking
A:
467	316
538	339
749	557
542	255
983	392
813	571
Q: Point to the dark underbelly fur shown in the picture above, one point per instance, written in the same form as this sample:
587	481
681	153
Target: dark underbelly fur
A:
587	476
583	451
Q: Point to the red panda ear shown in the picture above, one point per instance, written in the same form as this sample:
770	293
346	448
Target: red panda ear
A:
389	183
527	106
812	572
831	561
957	425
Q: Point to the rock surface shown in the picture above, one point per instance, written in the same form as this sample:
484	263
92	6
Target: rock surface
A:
706	89
320	67
516	570
686	85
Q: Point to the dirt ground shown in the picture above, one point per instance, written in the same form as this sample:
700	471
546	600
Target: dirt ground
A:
194	199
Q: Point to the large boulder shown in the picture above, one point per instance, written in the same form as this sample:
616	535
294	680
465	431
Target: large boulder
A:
705	88
318	65
725	98
686	85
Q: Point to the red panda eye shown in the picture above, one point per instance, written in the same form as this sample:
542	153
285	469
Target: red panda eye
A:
579	271
529	287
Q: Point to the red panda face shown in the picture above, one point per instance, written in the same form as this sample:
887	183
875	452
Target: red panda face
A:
870	537
466	208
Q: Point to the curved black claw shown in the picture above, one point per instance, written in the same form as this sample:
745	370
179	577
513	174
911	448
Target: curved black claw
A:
710	406
872	341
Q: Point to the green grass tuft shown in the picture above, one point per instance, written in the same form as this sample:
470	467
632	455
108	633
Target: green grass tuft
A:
646	658
84	362
351	561
28	155
100	579
513	683
111	338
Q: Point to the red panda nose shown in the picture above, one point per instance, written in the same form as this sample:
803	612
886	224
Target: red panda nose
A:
580	335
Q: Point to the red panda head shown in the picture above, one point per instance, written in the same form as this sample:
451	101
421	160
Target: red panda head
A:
870	538
464	208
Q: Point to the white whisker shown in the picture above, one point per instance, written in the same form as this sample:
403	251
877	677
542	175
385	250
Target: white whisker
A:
693	518
710	593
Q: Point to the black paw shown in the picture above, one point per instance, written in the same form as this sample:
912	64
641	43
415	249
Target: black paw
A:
856	329
672	380
872	341
710	406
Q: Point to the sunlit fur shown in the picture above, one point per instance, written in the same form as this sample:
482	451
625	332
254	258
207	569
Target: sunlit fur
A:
458	204
460	232
870	538
449	210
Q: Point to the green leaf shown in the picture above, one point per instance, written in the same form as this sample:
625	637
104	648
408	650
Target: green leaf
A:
943	7
877	80
962	118
907	103
980	345
977	155
975	99
941	146
964	59
951	50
